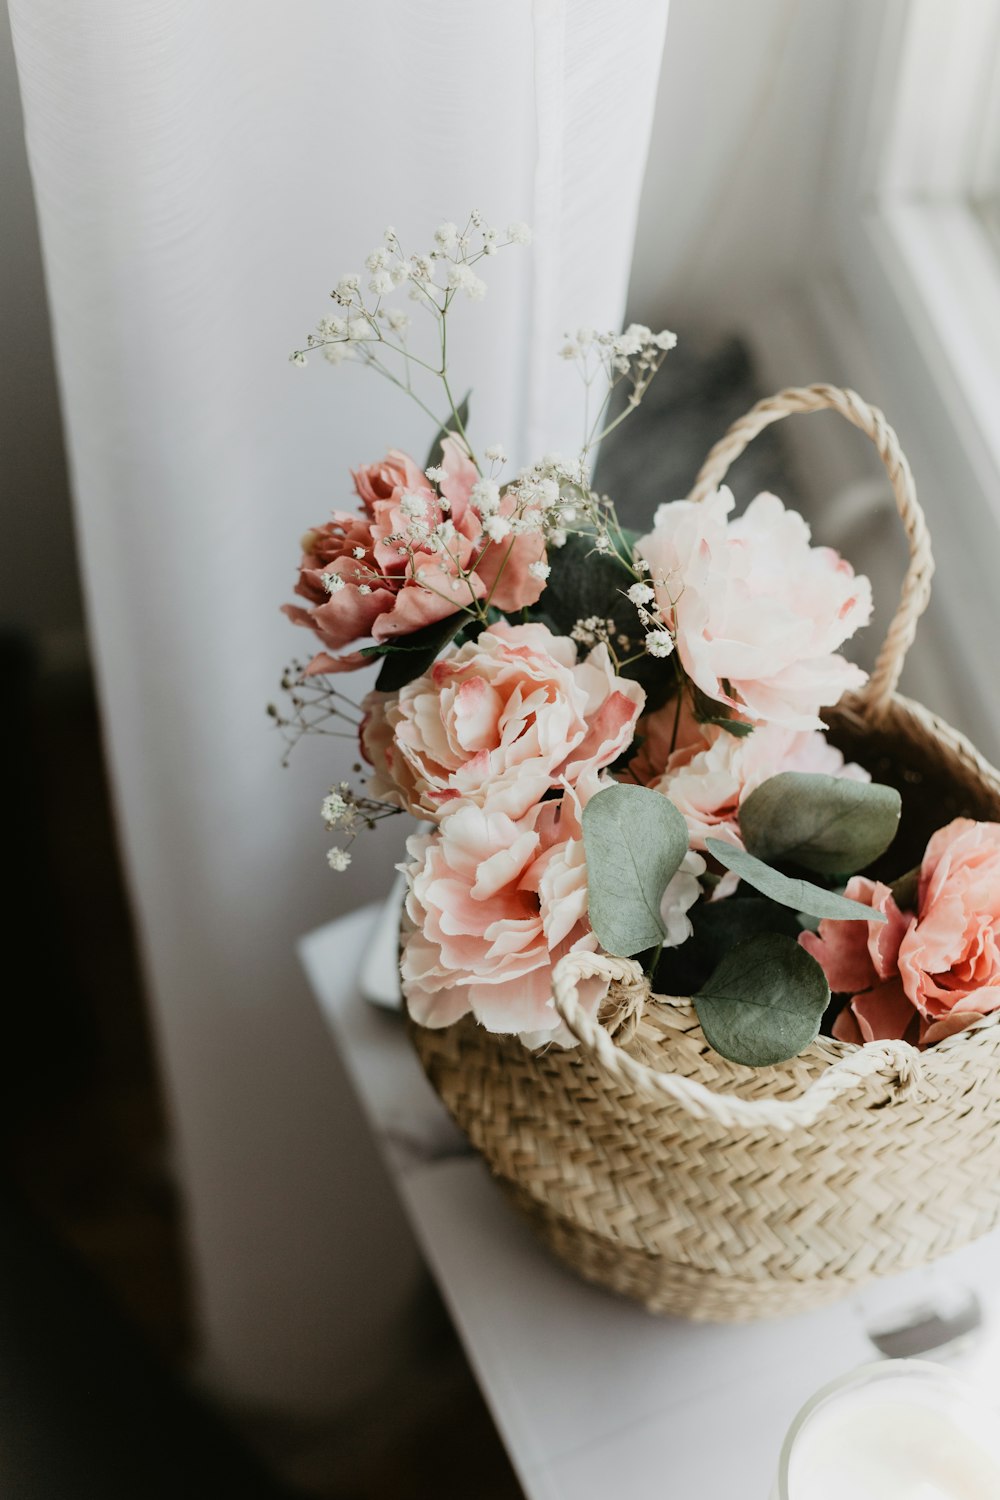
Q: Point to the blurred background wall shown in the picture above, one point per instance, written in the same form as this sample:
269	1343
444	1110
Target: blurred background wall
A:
301	1264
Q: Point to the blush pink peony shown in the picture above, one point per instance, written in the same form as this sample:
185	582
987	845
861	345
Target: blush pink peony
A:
378	573
494	902
497	723
927	974
758	614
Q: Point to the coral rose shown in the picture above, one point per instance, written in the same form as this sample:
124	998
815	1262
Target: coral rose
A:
413	555
497	723
494	903
927	974
758	614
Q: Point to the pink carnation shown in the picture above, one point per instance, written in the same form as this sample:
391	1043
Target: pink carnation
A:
495	902
380	586
497	723
759	615
928	974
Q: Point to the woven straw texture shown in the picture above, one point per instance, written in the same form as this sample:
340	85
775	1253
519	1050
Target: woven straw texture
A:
698	1187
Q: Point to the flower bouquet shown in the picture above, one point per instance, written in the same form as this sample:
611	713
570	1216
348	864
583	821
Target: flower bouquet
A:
701	944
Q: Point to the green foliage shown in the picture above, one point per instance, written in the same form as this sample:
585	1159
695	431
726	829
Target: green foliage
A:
829	824
800	895
634	840
718	926
450	428
585	583
764	1002
409	656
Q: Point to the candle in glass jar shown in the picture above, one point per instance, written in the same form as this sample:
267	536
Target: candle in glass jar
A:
908	1433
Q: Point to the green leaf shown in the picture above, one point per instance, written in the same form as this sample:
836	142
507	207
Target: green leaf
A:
410	655
829	824
634	840
905	889
717	927
735	727
583	583
450	428
800	895
764	1003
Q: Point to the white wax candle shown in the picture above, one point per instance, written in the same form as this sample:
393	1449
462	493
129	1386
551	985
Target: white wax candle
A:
896	1440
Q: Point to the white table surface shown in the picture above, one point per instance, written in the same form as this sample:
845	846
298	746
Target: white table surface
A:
594	1398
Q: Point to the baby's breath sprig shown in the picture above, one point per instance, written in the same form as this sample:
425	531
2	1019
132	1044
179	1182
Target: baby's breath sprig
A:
367	331
312	705
349	812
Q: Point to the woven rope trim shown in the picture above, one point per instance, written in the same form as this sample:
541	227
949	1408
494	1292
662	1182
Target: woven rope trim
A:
877	693
899	1064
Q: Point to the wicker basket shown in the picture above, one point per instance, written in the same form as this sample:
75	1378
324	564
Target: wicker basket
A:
698	1187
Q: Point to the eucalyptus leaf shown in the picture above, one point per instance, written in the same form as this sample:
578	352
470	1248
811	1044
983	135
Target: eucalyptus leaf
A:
829	824
800	895
716	928
634	840
450	429
410	655
736	727
764	1003
905	889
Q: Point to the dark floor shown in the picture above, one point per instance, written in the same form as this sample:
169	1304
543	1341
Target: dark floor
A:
85	1161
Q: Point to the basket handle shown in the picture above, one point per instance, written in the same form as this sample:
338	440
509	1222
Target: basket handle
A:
874	697
899	1064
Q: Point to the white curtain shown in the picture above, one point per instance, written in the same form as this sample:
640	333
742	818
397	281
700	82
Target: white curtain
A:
203	174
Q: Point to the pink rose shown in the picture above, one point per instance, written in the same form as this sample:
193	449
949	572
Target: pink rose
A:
758	613
495	902
386	572
928	974
710	777
498	722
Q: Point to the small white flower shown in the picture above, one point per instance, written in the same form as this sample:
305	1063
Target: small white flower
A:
332	328
377	260
602	542
359	553
557	538
333	809
347	286
414	507
496	528
397	319
338	859
435	473
539	570
519	233
332	582
461	278
446	234
495	454
298	358
380	283
659	643
485	496
641	593
364	588
569	350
